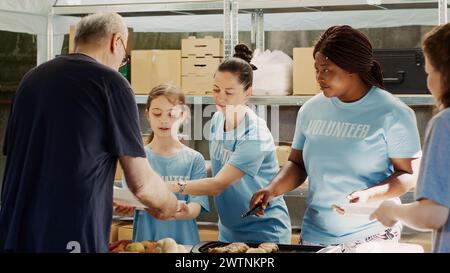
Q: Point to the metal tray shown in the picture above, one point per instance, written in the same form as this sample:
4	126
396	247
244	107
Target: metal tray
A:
203	247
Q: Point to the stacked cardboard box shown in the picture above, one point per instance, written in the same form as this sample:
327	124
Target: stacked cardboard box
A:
114	233
283	154
150	68
200	59
304	73
125	232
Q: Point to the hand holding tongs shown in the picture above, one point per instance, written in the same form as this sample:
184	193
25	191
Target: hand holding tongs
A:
252	211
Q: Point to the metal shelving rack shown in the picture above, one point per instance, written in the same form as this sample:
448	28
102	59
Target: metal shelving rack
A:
257	8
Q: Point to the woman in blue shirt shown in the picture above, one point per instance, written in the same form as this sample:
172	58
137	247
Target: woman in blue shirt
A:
432	208
166	110
243	159
354	141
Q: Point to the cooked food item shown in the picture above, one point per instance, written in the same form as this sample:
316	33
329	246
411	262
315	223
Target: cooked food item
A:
118	246
135	247
231	248
269	247
237	248
218	250
168	245
256	250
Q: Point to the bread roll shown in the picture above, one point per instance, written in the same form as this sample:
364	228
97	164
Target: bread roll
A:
168	245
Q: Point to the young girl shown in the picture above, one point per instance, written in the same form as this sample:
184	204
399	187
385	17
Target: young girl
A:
354	141
243	159
431	210
173	161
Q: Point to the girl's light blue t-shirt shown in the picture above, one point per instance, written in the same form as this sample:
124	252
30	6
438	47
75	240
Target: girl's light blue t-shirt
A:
187	164
434	181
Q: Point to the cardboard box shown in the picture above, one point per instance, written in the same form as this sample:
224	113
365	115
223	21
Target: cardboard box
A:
199	66
197	84
119	172
283	154
208	233
129	45
125	232
202	46
304	73
71	37
150	68
114	233
130	42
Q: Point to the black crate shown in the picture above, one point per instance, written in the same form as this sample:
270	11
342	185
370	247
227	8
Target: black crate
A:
403	70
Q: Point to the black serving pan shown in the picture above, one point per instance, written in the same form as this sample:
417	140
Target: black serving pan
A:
203	247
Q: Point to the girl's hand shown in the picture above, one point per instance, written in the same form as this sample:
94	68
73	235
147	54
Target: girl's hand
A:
123	210
183	210
385	214
263	196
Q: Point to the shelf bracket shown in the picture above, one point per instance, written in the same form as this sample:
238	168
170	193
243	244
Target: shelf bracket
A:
230	32
257	31
443	14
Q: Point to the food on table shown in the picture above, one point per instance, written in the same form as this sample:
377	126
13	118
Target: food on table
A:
218	250
256	250
269	247
135	247
166	245
119	246
244	248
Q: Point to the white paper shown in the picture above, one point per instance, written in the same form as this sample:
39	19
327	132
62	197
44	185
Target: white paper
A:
125	197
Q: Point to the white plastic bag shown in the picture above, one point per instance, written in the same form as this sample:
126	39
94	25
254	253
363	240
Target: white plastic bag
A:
274	74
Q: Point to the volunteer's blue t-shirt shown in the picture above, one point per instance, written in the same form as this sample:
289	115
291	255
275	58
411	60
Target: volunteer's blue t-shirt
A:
434	181
250	148
187	164
71	119
347	147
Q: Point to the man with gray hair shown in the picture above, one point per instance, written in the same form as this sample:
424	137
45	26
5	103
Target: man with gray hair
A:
71	119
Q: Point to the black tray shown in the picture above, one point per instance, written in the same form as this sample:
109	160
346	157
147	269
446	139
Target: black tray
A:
203	247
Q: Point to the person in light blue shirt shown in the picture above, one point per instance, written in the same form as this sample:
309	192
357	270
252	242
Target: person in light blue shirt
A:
354	141
431	211
243	160
173	161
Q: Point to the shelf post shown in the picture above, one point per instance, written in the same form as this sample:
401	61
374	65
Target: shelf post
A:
50	34
230	32
257	31
443	15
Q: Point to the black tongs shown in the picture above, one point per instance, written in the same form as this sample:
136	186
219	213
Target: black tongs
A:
252	211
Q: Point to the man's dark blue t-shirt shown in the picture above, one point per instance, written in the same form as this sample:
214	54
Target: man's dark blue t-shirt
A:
70	120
